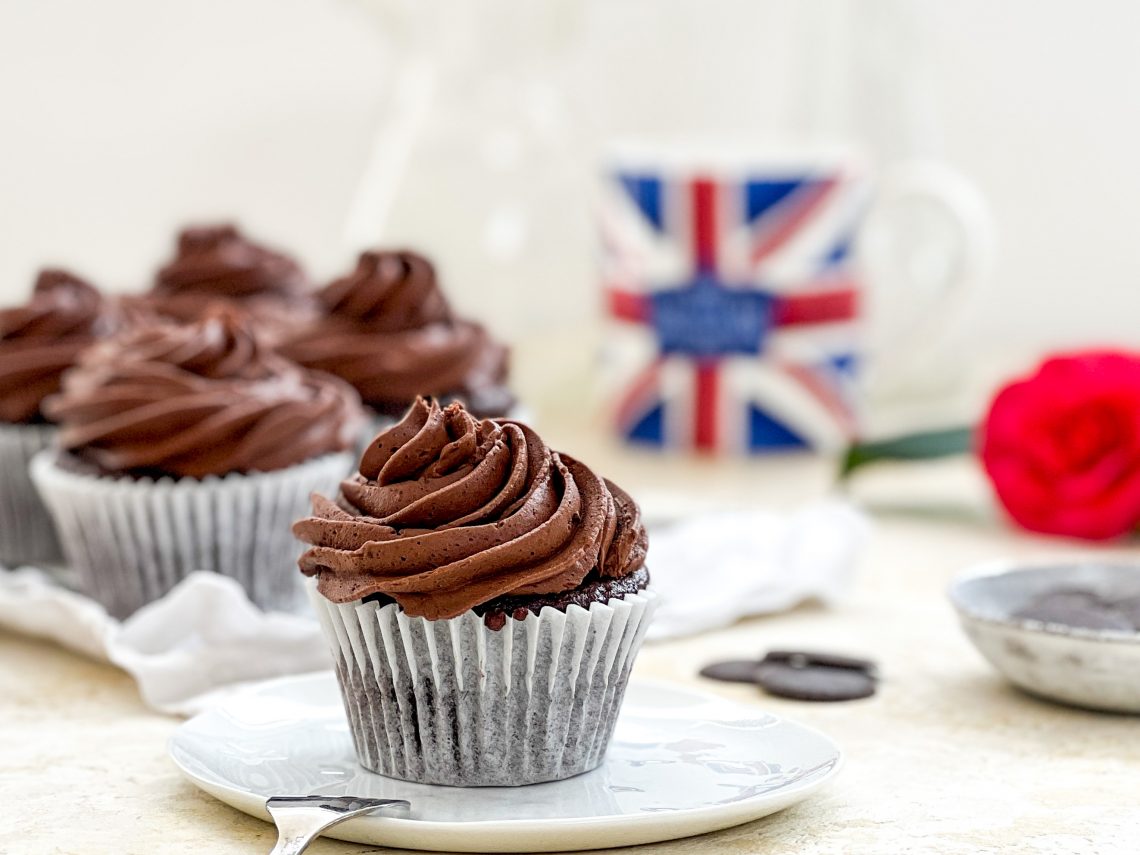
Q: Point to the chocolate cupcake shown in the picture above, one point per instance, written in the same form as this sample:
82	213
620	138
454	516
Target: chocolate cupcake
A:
190	447
38	342
387	329
215	263
484	597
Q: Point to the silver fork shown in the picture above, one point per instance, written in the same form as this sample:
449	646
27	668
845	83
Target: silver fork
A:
301	819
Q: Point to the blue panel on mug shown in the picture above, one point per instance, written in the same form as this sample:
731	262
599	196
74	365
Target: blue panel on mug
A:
766	432
759	196
651	427
845	363
839	253
645	190
708	319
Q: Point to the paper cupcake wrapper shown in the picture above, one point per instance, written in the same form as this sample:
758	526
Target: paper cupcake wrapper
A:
27	533
453	702
130	540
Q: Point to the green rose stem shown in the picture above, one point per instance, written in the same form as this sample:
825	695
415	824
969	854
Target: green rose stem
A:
915	446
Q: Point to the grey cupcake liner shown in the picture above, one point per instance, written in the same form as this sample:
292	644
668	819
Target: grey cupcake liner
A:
27	533
130	540
453	702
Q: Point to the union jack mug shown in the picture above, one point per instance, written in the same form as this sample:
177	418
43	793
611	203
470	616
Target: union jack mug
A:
735	282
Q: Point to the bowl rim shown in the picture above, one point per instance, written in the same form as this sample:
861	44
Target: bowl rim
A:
1000	567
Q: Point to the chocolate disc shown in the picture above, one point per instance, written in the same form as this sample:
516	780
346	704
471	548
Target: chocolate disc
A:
814	682
804	658
732	670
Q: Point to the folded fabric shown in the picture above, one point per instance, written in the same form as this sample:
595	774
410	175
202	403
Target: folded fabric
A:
713	569
205	638
202	640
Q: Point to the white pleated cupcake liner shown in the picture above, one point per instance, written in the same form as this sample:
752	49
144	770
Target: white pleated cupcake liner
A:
131	540
453	702
27	533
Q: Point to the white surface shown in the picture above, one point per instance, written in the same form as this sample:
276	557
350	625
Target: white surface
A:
1098	669
682	763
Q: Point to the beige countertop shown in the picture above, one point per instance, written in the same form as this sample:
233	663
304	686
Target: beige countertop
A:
945	759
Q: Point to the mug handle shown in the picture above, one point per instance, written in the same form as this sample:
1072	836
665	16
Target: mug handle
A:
927	244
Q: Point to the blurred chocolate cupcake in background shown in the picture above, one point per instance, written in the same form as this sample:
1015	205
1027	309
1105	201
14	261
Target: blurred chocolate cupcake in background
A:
217	262
39	341
188	447
387	329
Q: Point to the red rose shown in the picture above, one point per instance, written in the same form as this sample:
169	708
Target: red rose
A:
1063	447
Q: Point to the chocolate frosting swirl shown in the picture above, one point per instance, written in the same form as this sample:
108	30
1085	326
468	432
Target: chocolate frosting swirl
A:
387	292
198	399
43	338
387	329
449	512
216	263
220	262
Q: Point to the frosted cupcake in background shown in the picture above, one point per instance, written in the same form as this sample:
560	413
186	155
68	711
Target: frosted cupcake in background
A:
387	329
218	263
484	598
188	447
38	342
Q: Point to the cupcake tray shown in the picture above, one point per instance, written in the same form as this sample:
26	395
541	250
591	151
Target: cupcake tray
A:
681	763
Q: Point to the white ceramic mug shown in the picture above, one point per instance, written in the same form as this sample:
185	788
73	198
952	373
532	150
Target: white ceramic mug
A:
754	264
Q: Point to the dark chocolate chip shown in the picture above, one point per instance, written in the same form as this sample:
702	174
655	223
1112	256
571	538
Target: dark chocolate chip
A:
804	658
814	682
732	671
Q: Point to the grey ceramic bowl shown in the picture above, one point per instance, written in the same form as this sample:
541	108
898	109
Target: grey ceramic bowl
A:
1097	669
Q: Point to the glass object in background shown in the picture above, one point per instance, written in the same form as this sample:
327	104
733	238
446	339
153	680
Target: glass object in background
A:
863	77
474	159
737	300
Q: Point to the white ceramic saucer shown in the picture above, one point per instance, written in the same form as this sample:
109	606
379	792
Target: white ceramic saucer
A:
681	763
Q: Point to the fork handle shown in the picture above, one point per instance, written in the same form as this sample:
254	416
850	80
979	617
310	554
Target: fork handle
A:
295	843
301	819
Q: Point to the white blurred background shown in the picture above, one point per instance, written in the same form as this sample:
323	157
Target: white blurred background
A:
122	119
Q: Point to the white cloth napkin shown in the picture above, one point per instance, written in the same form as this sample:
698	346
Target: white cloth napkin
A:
713	569
205	639
201	641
